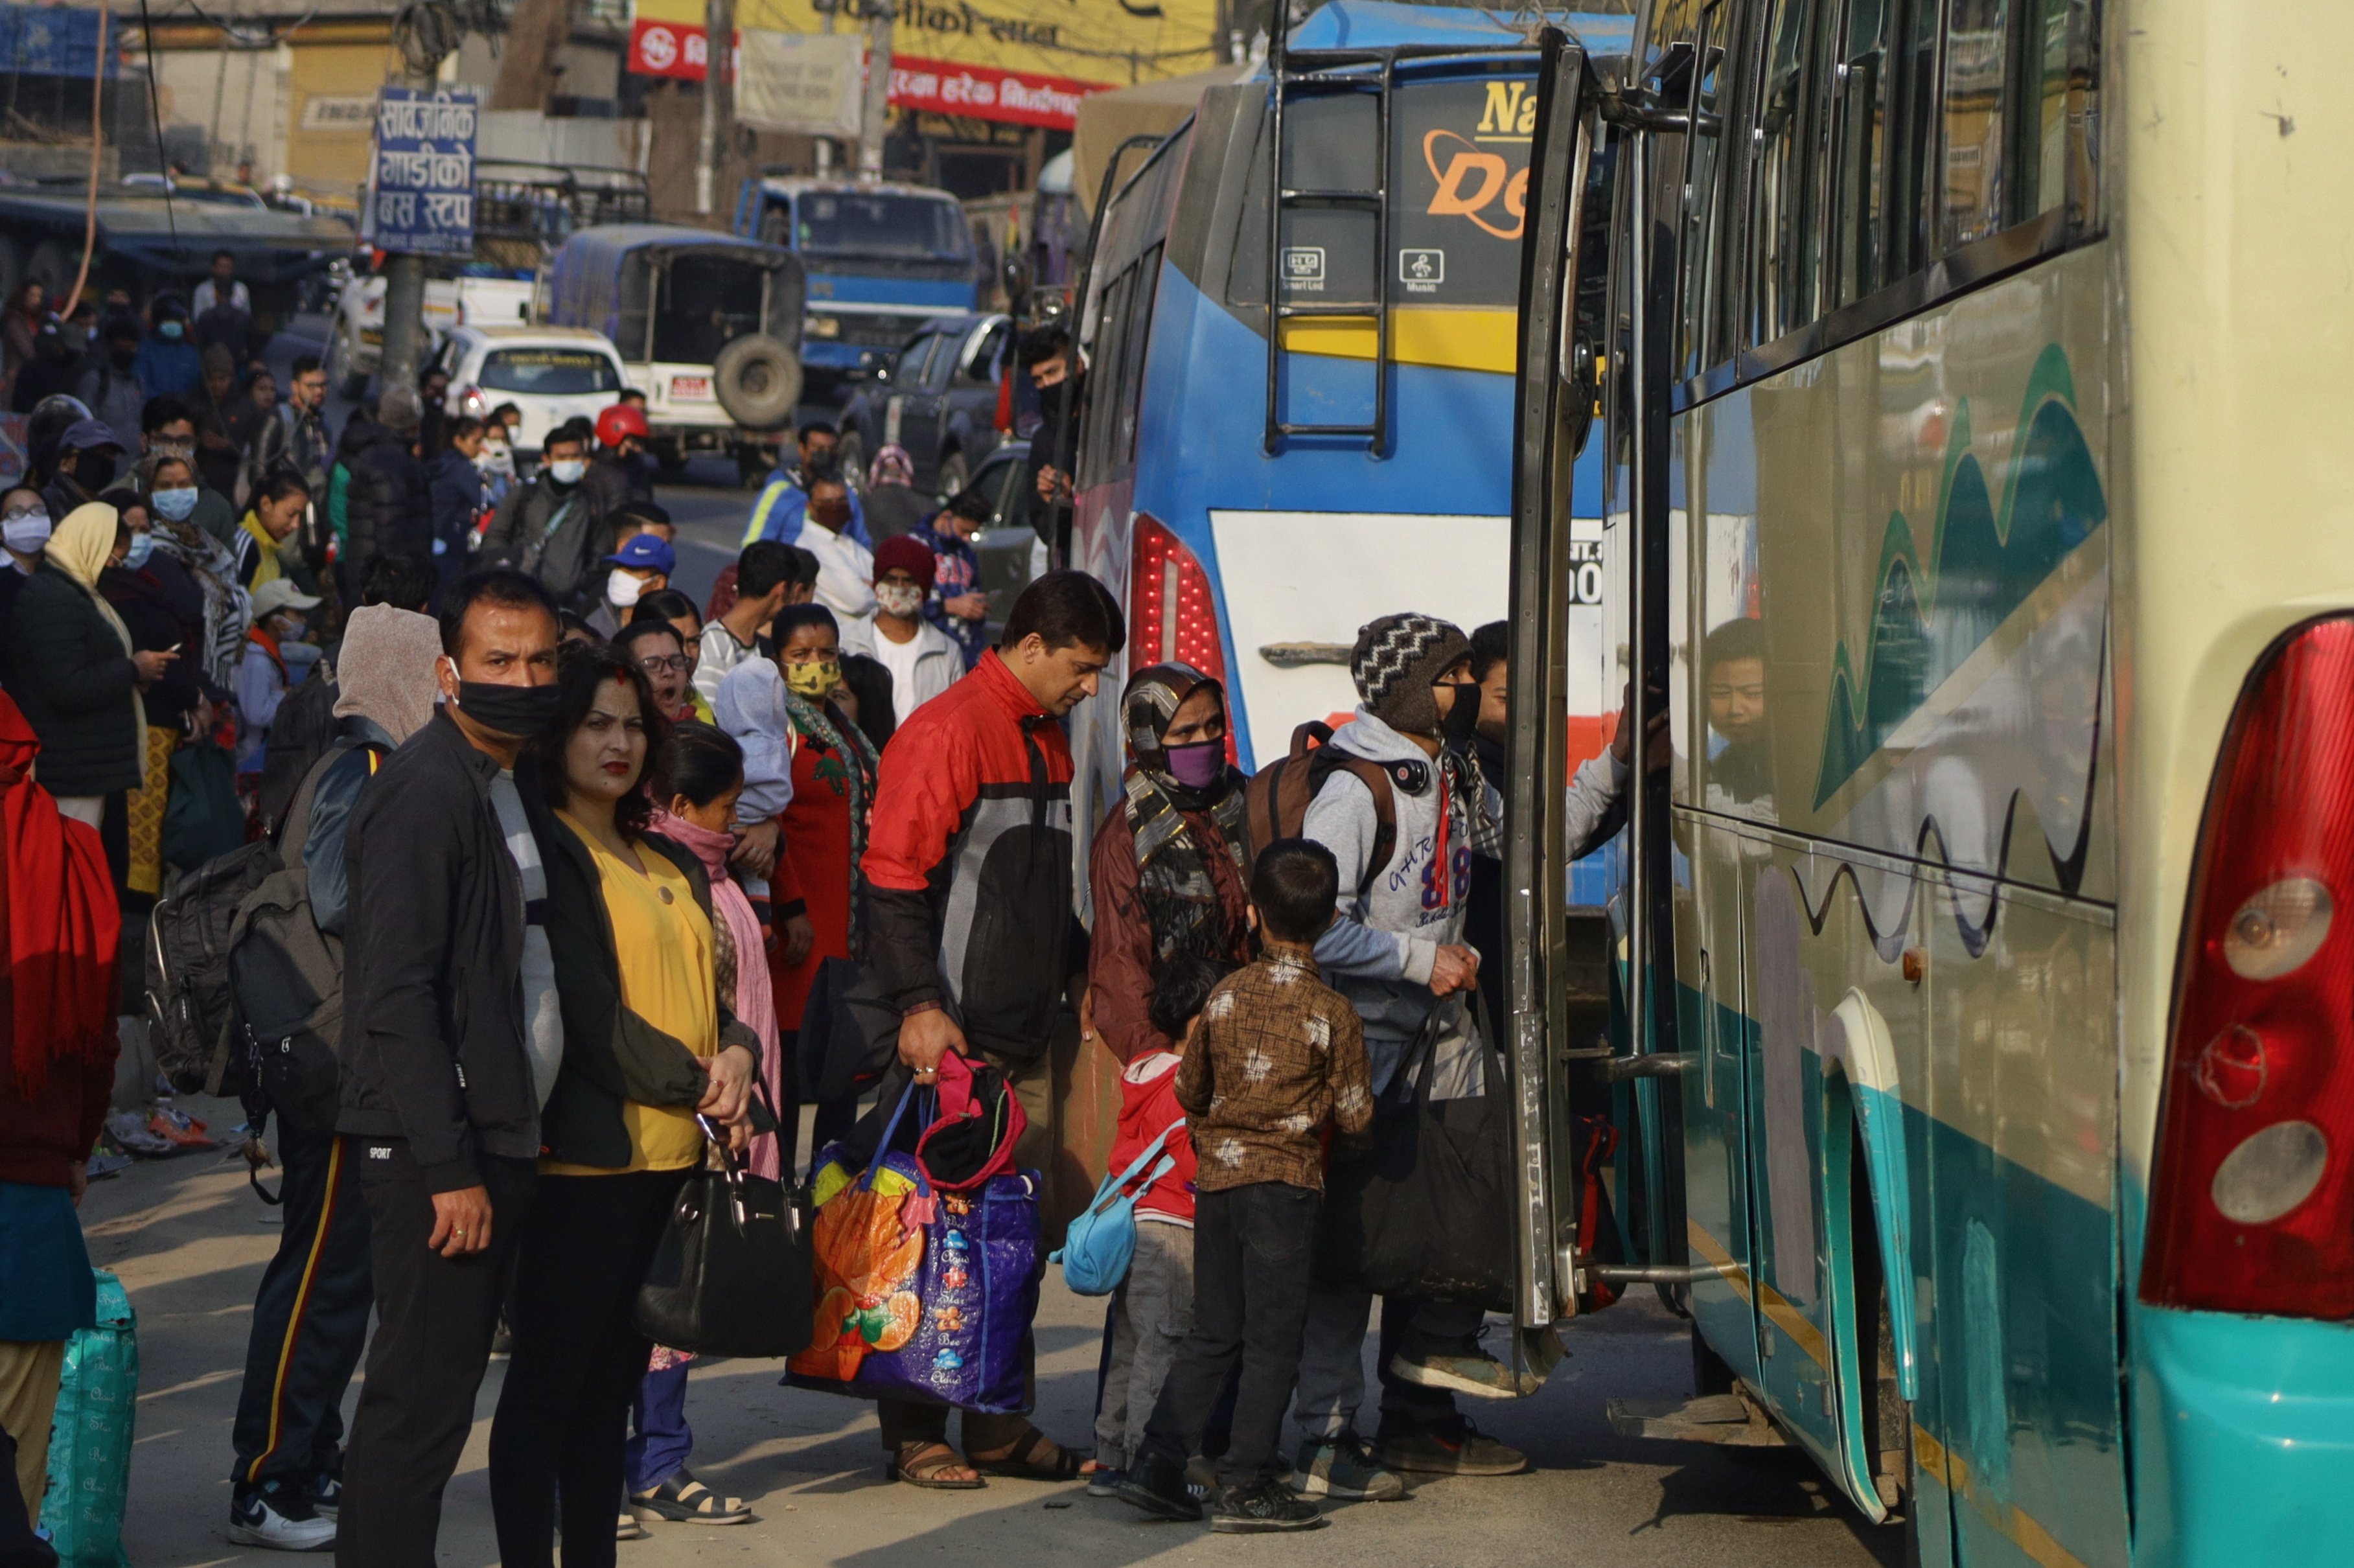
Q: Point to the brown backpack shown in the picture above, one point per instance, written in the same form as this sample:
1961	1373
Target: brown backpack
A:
1275	801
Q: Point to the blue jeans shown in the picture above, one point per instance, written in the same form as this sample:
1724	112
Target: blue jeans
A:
659	1438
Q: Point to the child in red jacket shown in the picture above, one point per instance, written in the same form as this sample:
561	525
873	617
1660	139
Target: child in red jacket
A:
1152	1311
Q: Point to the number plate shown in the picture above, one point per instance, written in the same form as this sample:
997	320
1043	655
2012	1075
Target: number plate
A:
690	388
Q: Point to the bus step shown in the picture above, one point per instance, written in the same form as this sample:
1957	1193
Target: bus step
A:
1726	1418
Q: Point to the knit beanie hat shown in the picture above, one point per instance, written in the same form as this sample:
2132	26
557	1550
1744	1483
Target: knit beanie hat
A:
1395	663
908	554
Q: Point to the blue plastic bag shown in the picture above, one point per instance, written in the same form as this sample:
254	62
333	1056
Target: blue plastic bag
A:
1101	1241
89	1438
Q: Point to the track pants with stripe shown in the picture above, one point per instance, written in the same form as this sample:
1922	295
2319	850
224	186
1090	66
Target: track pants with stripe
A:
310	1319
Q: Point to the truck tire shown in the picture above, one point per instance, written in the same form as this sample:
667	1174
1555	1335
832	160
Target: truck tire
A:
53	263
758	379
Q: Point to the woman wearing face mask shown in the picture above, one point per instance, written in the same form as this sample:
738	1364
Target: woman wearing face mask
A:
23	530
281	617
277	512
814	889
168	362
1168	866
163	608
647	1045
218	647
78	677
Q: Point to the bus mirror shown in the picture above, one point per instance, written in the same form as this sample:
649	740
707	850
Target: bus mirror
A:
1015	275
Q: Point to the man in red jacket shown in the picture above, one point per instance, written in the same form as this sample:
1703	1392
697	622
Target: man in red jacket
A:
61	936
969	934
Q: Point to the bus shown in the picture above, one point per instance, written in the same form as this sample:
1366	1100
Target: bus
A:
1976	512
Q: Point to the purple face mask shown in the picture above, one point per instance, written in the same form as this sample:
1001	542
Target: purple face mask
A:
1197	766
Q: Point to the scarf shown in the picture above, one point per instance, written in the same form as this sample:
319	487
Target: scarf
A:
819	726
228	608
260	638
736	931
64	928
1173	877
383	671
1466	801
80	549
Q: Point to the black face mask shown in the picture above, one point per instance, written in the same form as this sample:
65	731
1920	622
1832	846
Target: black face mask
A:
515	712
93	470
1462	721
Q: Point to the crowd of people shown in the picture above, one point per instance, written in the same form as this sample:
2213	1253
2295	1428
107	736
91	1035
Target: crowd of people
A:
595	856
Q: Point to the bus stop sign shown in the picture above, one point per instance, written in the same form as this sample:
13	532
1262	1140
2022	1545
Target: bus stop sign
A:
420	198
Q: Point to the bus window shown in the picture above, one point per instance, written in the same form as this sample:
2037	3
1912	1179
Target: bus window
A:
1858	253
1913	140
1782	267
1974	120
1329	143
1131	366
2056	167
1699	283
1103	369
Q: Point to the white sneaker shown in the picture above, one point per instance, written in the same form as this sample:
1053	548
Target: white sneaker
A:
267	1516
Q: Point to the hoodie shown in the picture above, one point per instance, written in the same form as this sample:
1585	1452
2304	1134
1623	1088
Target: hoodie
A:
1148	1103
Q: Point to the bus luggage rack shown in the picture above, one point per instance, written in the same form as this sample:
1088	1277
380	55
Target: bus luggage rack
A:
1340	70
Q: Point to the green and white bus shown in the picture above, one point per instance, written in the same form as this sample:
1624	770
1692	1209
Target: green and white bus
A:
1973	376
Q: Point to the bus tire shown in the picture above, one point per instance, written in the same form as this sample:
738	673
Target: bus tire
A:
758	379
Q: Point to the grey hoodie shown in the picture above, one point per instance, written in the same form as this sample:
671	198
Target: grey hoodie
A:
1379	951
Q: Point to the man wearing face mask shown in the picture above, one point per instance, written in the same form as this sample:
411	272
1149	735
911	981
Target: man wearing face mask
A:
642	566
1168	868
167	363
845	569
24	528
387	505
550	528
88	460
168	428
923	661
451	1040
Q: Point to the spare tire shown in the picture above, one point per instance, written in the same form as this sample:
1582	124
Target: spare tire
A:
758	379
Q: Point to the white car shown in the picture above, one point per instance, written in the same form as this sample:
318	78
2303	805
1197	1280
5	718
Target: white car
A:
552	373
355	340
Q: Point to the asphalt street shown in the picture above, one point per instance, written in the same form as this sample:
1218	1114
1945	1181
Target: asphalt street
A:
189	1239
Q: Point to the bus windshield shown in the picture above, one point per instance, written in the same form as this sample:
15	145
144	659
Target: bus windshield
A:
912	227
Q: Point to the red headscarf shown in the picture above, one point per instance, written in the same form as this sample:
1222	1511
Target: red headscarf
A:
63	932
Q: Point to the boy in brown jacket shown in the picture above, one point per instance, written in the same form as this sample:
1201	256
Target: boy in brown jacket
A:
1276	1056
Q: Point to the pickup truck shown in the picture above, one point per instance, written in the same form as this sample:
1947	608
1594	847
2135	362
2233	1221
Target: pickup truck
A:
477	296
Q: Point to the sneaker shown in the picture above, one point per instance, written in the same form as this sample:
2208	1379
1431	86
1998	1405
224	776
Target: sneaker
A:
1104	1480
1156	1483
1470	1452
1342	1468
324	1493
1480	1375
1262	1506
281	1520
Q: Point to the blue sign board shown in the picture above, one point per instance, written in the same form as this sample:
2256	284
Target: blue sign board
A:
51	40
421	197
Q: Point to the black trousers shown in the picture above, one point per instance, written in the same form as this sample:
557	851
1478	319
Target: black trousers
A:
1254	1248
564	1413
435	1317
310	1318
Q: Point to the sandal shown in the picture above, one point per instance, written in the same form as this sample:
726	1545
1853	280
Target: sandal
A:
682	1499
921	1464
1026	1461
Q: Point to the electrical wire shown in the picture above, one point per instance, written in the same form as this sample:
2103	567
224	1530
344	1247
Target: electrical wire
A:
97	153
252	37
156	120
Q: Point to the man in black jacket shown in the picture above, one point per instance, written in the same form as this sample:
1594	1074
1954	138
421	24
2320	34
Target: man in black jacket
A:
450	1033
551	528
388	509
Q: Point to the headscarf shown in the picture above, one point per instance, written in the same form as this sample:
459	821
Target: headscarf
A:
384	671
750	998
80	547
1172	877
892	465
842	746
64	929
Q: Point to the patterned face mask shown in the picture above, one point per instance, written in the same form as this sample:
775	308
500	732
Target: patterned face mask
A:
899	599
813	682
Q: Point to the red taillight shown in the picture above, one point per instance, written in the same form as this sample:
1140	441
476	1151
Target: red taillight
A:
2252	1200
471	401
1172	612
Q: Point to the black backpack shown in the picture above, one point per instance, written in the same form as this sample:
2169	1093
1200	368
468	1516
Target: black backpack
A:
303	731
189	1009
286	976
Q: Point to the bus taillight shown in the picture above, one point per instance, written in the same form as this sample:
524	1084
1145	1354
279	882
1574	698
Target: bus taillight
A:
2252	1200
1172	612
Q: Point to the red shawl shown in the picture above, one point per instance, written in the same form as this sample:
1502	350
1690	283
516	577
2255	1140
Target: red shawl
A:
63	930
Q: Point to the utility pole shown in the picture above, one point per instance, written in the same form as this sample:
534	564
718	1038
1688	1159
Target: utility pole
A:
403	277
877	108
719	55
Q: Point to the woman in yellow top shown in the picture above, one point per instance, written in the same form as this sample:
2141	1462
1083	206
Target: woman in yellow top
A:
646	1047
278	508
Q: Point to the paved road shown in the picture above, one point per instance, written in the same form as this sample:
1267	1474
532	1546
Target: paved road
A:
189	1240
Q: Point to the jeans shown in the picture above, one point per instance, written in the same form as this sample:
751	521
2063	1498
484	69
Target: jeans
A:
662	1441
1254	1250
1154	1312
564	1413
1332	1363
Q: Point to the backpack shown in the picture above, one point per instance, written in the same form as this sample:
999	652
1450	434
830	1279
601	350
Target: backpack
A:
1101	1241
1275	801
303	731
189	1009
286	976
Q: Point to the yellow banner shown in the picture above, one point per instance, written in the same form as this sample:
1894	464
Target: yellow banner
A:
1111	42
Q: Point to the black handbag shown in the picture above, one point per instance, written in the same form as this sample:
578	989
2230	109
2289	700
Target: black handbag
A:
731	1275
1427	1214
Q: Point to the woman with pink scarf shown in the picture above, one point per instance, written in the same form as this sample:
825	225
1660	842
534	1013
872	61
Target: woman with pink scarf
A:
696	777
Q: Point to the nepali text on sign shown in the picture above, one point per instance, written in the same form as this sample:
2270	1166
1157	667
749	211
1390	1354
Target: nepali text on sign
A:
420	198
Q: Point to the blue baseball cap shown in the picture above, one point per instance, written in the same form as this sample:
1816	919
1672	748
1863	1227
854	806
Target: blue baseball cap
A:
644	553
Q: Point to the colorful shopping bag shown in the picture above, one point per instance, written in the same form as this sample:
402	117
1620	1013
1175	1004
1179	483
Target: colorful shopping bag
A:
89	1437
